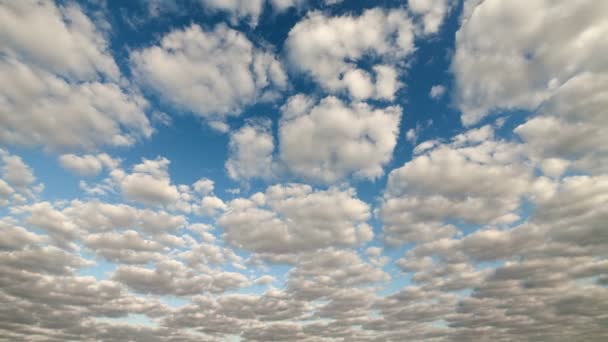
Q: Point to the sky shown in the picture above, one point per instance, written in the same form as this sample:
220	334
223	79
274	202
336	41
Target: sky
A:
303	170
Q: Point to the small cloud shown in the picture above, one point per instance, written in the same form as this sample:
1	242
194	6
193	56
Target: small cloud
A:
437	92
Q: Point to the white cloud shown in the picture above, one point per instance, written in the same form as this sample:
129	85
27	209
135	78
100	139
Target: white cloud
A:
211	73
15	171
237	9
88	164
251	149
149	183
510	56
95	216
17	180
44	215
474	268
54	96
411	135
432	12
474	179
328	48
284	5
204	186
437	91
332	140
6	192
124	247
79	49
170	277
324	273
295	218
211	205
571	124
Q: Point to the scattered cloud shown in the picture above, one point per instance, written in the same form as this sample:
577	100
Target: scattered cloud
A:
77	83
330	140
251	151
309	217
328	49
210	73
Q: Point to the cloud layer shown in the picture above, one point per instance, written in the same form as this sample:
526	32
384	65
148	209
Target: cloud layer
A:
294	170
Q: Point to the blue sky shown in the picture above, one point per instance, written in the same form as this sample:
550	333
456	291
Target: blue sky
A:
301	170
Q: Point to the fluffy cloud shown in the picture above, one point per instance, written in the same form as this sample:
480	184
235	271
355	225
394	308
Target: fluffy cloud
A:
575	210
209	73
56	97
432	12
149	183
473	180
211	205
437	91
88	164
328	49
204	186
79	50
127	247
557	74
251	149
295	218
332	140
237	9
171	277
503	234
571	124
324	273
96	216
510	56
15	173
283	5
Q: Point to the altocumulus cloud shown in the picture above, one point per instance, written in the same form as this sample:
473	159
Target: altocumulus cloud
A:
295	170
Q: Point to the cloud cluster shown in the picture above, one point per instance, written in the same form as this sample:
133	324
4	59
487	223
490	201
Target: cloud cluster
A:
534	66
211	73
88	164
497	233
431	12
474	179
71	96
295	218
330	140
249	10
251	149
328	49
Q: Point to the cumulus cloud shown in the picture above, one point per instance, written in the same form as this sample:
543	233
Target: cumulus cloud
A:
502	232
95	216
56	96
15	173
88	164
171	277
284	5
331	140
324	273
211	205
571	125
328	49
211	73
436	91
204	186
431	12
474	179
249	10
294	218
251	148
531	61
149	183
127	247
